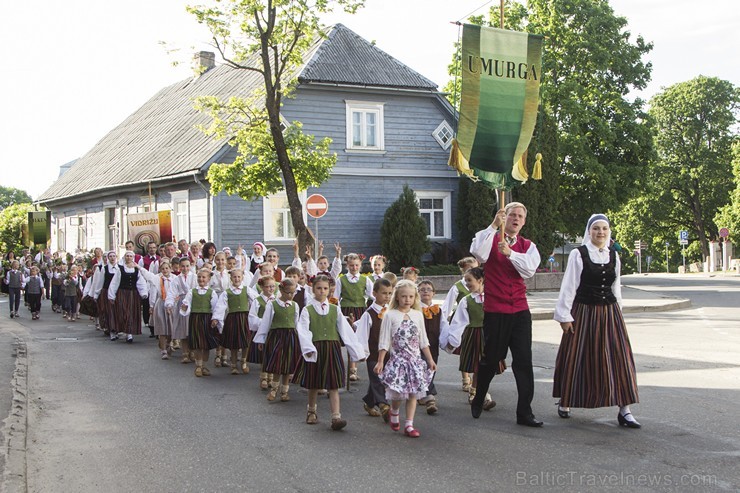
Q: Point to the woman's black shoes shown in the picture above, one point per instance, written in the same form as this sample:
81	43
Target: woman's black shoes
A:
629	423
563	412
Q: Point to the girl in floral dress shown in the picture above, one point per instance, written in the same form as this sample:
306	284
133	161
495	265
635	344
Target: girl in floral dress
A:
406	375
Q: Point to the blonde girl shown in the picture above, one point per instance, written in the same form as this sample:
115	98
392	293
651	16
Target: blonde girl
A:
406	375
278	334
256	312
236	300
203	335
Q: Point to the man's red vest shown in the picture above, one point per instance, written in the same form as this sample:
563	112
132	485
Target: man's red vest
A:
505	291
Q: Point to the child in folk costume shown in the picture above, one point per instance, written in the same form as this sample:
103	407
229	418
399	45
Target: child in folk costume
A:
273	256
164	320
322	264
88	306
34	287
256	312
353	290
14	280
181	285
466	331
434	324
106	309
368	333
220	280
126	290
406	376
378	263
410	274
321	330
57	287
302	295
257	257
265	269
457	292
277	332
196	260
235	301
71	287
199	306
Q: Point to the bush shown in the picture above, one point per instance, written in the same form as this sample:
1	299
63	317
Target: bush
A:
403	234
440	270
447	253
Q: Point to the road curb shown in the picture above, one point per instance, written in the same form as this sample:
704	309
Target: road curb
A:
15	429
678	304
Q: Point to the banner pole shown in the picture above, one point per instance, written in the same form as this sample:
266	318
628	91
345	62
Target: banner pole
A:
501	9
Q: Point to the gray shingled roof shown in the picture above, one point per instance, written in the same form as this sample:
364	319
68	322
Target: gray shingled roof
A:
347	58
161	138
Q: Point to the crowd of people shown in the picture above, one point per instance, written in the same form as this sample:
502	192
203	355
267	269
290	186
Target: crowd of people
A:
292	323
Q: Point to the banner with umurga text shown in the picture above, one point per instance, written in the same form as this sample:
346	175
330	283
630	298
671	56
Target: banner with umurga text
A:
501	72
144	227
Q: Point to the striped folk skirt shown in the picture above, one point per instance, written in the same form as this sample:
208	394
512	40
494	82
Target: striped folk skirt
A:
254	355
594	366
282	352
106	311
200	333
355	312
235	331
164	321
327	372
128	312
471	348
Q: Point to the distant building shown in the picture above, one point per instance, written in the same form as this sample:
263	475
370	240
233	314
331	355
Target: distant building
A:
389	126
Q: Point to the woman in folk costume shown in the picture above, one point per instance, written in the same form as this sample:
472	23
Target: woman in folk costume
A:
277	332
164	320
233	309
126	290
106	308
594	365
257	257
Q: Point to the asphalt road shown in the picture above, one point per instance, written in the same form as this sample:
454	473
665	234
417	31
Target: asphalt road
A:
114	417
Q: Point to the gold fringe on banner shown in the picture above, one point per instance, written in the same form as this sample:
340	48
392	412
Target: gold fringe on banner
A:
537	170
458	162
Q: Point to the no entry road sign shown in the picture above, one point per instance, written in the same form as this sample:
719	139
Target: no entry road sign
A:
316	205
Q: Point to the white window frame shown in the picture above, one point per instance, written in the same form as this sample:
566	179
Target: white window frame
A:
443	126
267	218
365	107
180	198
446	211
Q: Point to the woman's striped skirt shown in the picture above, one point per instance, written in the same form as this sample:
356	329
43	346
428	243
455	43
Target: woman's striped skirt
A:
327	372
254	355
282	352
106	311
594	365
471	348
128	312
164	321
200	333
234	336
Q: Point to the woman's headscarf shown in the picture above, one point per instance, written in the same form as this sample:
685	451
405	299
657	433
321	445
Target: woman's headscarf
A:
595	218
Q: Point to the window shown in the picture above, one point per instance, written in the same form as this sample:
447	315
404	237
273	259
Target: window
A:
365	126
181	223
276	213
443	135
434	208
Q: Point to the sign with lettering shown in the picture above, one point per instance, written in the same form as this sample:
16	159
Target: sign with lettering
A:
39	227
149	226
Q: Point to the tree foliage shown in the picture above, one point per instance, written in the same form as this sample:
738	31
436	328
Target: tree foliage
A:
689	182
729	215
589	65
10	196
403	233
13	220
269	38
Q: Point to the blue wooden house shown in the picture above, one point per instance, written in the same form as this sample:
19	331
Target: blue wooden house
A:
389	126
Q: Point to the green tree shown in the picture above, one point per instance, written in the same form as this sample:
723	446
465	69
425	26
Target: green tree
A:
10	196
589	66
476	206
403	233
729	215
12	221
269	38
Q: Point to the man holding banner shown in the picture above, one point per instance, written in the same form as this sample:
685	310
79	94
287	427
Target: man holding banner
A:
508	259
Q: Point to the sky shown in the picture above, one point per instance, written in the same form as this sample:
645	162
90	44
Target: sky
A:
71	71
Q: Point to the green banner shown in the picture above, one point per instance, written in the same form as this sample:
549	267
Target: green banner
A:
501	73
39	227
